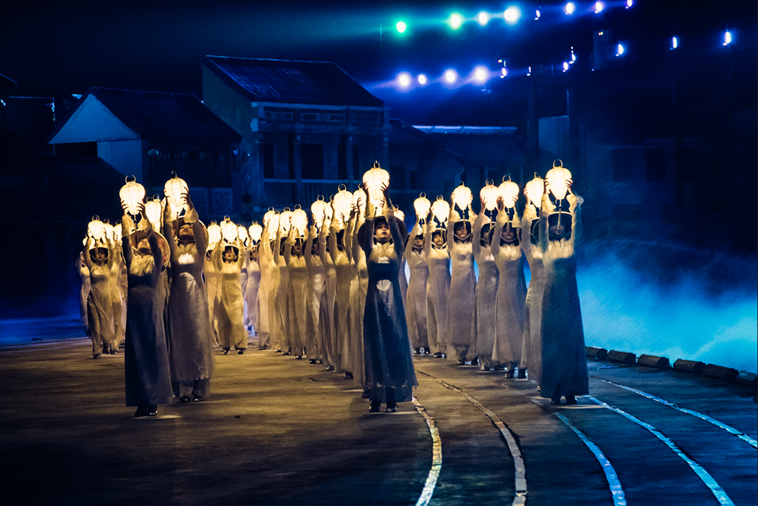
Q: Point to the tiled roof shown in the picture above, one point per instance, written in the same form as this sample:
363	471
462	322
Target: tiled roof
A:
291	82
31	119
162	116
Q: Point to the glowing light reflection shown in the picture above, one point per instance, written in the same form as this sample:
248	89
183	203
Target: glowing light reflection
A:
569	8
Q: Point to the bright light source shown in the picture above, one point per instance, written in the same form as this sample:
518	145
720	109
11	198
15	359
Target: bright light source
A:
401	26
674	43
512	14
565	66
727	38
422	80
483	18
451	76
569	8
480	74
529	71
404	79
537	15
455	21
629	3
599	6
503	72
573	56
620	50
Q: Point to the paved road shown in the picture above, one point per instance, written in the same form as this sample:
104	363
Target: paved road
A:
281	431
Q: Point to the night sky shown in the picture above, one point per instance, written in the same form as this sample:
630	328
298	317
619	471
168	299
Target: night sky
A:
55	48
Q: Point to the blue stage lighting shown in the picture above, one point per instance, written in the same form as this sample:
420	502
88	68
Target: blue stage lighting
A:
512	14
620	50
674	43
503	72
565	66
599	6
401	26
629	3
404	79
727	38
455	21
483	18
450	76
481	74
570	8
422	80
537	15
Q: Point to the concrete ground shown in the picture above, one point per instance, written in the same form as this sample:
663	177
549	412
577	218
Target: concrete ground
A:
279	431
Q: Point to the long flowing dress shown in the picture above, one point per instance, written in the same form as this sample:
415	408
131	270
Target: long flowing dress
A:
486	295
243	283
564	366
415	308
297	297
317	323
100	299
461	312
344	272
511	295
281	335
231	329
331	353
146	367
252	287
189	331
117	303
357	300
437	293
83	271
387	351
212	293
531	355
267	294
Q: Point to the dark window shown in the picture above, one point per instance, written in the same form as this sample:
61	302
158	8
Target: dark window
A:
267	160
77	149
312	156
341	161
413	180
398	178
655	165
623	165
687	167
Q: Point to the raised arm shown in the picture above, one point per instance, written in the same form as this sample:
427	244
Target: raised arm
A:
428	239
126	245
240	254
575	206
502	219
198	231
544	211
414	232
308	246
168	226
288	246
476	243
530	215
216	256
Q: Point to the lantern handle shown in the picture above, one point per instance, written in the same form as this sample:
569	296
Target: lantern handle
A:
462	184
287	209
320	198
489	182
297	207
440	197
226	218
537	176
134	178
422	195
376	165
106	221
557	160
213	222
271	208
506	176
342	187
173	174
95	218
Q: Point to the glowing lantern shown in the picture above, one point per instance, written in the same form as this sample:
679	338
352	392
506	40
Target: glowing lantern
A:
329	210
556	178
273	226
242	234
300	221
229	230
441	210
132	194
108	230
214	233
422	206
318	209
461	197
400	215
343	202
375	178
174	189
153	212
96	228
255	231
489	195
271	212
117	231
509	190
285	221
359	194
535	188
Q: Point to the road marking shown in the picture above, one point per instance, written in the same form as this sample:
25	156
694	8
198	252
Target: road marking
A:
610	474
752	442
706	478
518	459
434	472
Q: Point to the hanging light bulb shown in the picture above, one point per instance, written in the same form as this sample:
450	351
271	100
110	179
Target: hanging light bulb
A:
509	191
153	212
229	230
300	221
132	194
375	178
318	210
489	195
535	188
360	196
343	202
441	211
255	232
556	178
285	221
214	233
173	189
461	197
422	206
96	228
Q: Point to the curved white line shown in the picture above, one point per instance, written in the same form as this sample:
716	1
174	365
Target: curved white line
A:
434	472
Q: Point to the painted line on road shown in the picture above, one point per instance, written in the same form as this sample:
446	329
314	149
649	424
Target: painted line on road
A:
706	478
752	442
518	459
434	472
619	499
